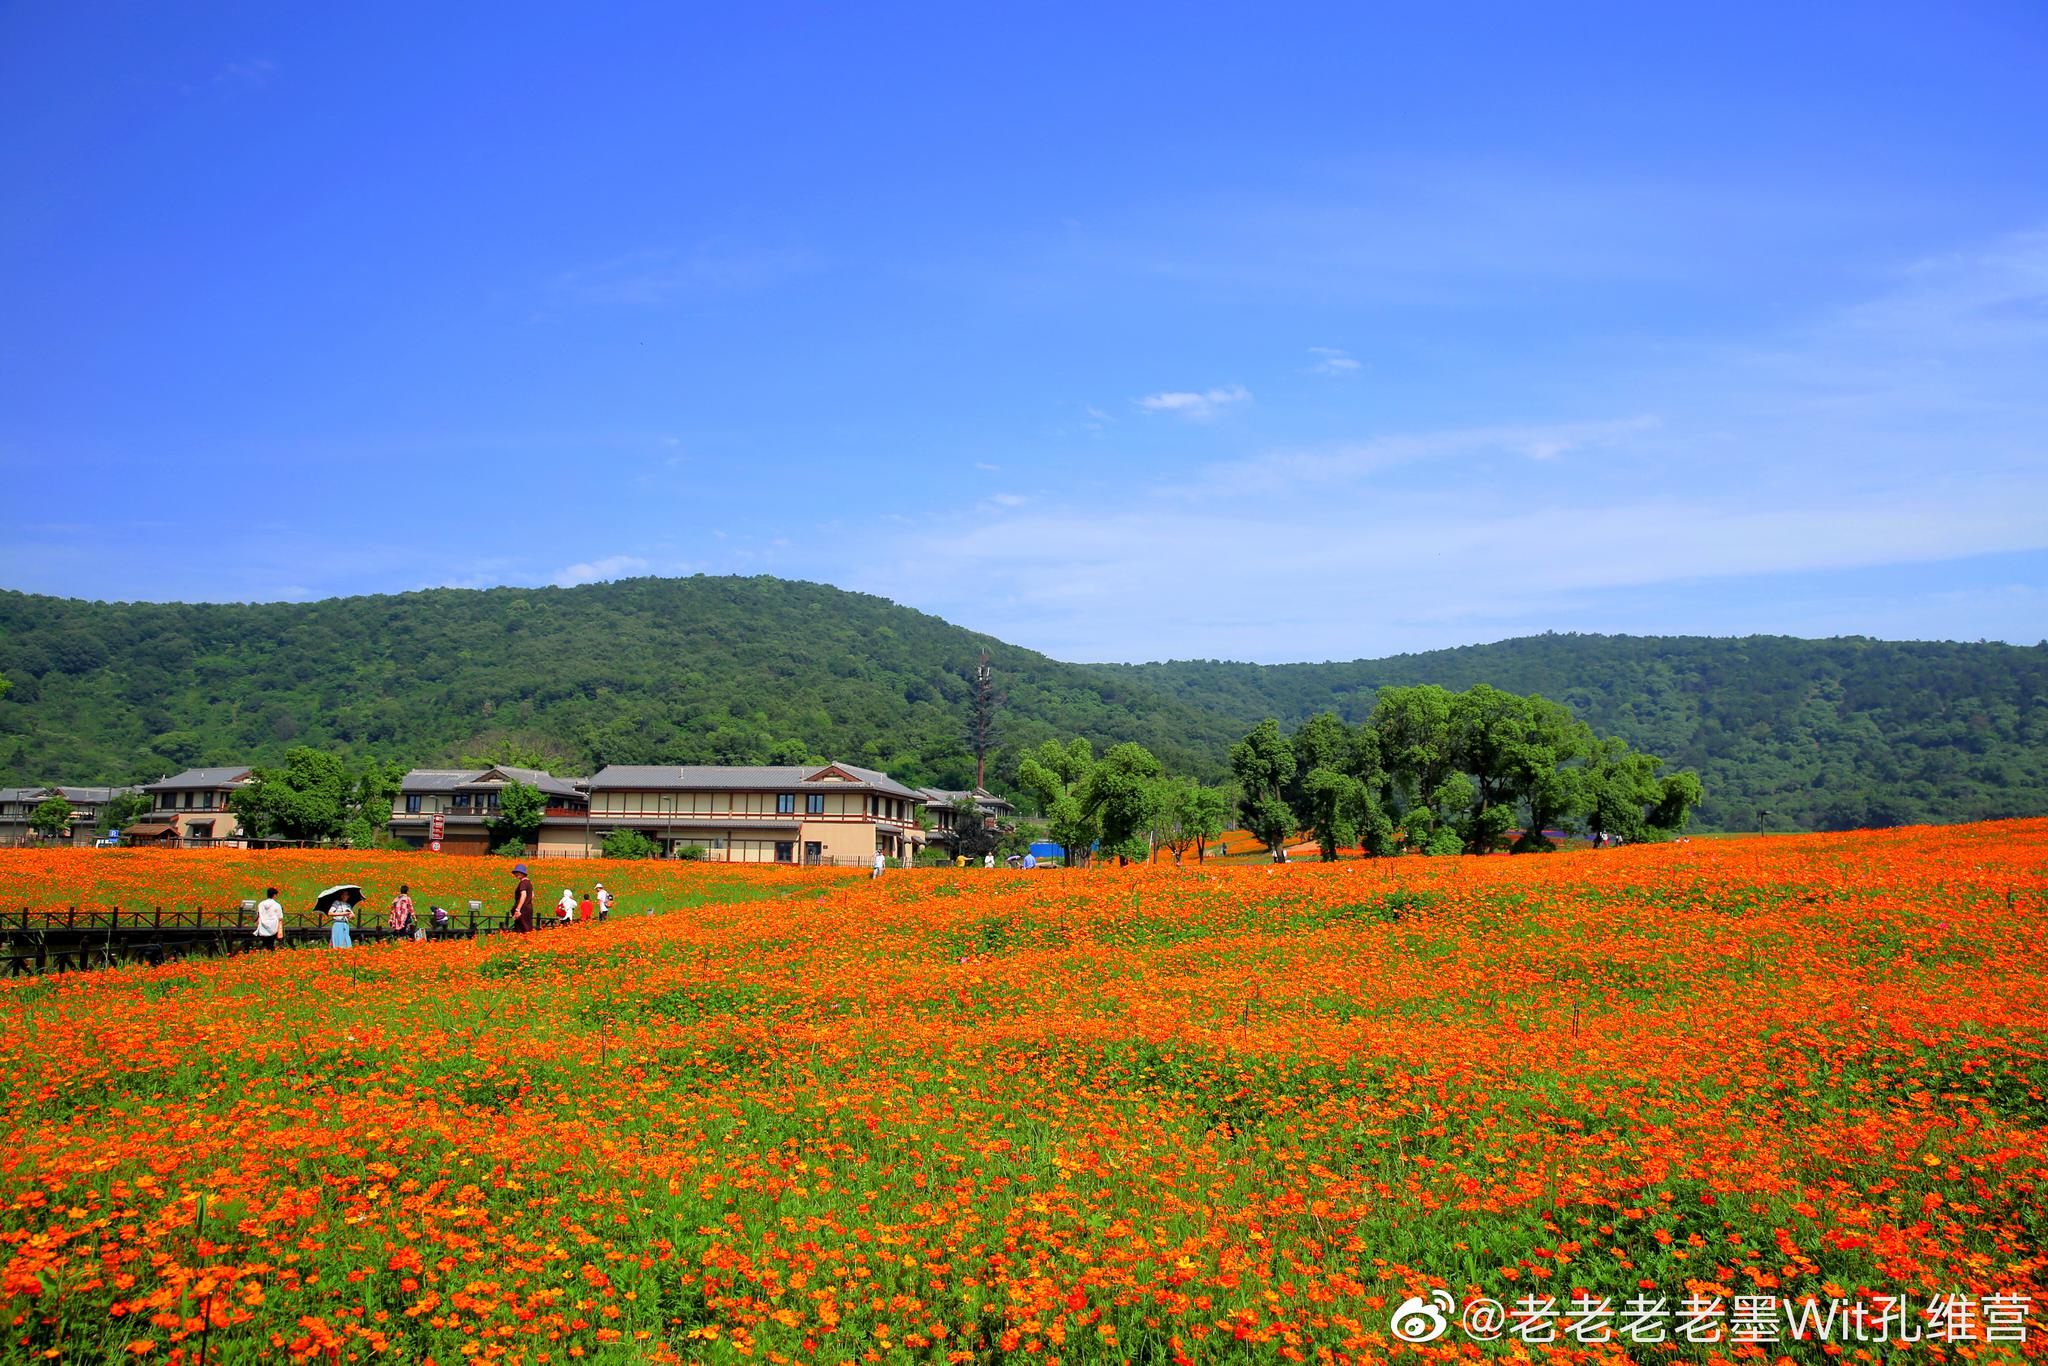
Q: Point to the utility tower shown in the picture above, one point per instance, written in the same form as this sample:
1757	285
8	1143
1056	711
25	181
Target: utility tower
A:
981	720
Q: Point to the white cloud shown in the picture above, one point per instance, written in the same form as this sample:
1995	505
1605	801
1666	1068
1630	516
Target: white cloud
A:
597	571
986	468
1199	407
1331	361
1908	430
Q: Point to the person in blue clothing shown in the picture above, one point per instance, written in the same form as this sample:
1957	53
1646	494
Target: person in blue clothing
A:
339	914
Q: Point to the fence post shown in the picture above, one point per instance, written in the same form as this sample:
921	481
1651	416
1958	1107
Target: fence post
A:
158	923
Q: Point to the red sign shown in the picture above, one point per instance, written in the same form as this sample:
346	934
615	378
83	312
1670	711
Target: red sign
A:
436	830
434	845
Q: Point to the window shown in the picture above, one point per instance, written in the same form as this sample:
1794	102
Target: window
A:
814	804
785	803
412	803
462	801
785	850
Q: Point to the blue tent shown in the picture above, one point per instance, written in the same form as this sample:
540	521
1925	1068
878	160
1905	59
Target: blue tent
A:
1043	850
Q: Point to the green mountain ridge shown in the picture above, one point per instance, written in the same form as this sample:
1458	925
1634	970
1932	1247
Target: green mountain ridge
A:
1821	733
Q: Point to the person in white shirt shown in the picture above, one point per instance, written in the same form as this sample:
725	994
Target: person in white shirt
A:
566	909
881	862
604	901
269	919
988	860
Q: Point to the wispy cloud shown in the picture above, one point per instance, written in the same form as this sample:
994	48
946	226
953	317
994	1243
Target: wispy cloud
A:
597	571
1196	406
1908	429
1329	360
662	275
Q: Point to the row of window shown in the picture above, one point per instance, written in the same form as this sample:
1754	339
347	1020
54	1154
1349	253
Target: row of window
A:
193	801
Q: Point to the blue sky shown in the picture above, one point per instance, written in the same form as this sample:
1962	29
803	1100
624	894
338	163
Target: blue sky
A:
1262	332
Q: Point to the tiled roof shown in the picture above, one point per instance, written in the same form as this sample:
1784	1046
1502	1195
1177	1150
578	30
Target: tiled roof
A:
451	779
200	777
744	778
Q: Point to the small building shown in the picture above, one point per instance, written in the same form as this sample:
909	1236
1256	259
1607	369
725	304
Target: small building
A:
196	803
944	806
17	803
466	800
770	813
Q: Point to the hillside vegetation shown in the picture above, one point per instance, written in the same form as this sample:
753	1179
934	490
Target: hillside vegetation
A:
1832	733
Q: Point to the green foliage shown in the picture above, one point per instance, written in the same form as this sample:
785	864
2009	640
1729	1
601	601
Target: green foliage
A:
51	817
1120	793
1461	767
631	844
690	853
973	837
1187	815
122	810
317	797
1055	775
521	807
510	849
1825	734
1264	764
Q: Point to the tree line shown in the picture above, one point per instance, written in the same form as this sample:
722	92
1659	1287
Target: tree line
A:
1446	772
1430	771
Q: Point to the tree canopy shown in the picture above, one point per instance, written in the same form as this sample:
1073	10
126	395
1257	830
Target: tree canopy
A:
1453	773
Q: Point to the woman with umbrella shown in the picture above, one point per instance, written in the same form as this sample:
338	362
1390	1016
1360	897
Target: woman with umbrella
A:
338	904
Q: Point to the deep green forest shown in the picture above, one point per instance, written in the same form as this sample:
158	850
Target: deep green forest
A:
1830	733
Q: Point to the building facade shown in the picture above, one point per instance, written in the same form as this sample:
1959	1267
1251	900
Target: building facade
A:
814	813
466	800
192	808
17	802
944	806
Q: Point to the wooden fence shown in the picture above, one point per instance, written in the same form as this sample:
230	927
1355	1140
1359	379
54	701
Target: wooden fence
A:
37	940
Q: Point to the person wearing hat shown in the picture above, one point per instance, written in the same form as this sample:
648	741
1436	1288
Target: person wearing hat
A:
603	900
522	900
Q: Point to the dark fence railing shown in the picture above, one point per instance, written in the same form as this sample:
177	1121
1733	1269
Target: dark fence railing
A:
37	940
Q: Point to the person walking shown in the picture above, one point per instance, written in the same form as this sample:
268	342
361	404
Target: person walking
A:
269	919
881	865
604	902
339	914
522	900
403	920
565	909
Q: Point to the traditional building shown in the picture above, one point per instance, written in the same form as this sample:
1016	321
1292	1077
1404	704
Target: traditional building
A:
17	802
944	806
466	800
193	807
814	813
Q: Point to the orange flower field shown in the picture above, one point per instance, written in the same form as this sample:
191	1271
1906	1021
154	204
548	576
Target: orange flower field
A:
1150	1115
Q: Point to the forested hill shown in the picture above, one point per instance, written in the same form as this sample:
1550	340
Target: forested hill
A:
696	670
1822	733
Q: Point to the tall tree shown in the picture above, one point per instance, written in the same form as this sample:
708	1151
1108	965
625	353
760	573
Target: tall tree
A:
973	835
307	798
1056	775
521	808
51	817
1120	792
1264	764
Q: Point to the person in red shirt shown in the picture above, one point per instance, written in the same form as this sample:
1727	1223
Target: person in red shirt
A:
585	911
